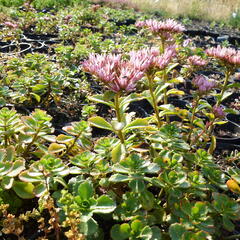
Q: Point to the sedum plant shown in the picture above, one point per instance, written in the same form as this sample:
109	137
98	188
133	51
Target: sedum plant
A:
144	177
83	201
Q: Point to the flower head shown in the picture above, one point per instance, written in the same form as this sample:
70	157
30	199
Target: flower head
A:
11	25
203	84
163	28
68	18
149	58
218	112
116	73
95	7
227	56
163	60
144	59
196	61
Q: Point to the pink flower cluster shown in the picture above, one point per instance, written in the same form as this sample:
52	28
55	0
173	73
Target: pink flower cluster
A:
196	61
11	25
163	28
118	74
218	112
147	59
228	56
203	84
68	18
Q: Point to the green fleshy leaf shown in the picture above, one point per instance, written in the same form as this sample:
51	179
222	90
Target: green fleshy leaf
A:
104	205
120	232
136	124
5	168
176	231
34	177
100	123
227	224
137	185
85	190
56	148
40	189
146	233
156	233
89	227
175	92
137	226
49	138
7	182
18	166
119	178
104	99
24	190
147	200
64	138
118	153
36	96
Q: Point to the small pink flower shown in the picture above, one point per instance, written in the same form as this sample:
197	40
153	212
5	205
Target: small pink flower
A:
218	112
11	25
227	56
196	61
203	84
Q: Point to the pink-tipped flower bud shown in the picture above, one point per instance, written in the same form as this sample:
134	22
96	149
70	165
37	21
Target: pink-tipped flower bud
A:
115	73
67	18
11	25
165	29
203	84
228	56
196	61
218	112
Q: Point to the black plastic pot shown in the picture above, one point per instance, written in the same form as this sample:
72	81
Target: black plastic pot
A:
40	47
228	132
235	118
231	98
183	104
11	48
142	108
37	37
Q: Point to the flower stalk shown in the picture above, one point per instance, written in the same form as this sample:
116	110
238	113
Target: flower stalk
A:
193	117
118	115
154	101
224	87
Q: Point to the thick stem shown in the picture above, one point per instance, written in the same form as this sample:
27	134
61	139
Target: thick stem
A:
210	127
162	48
31	143
74	141
165	98
193	117
155	106
233	237
228	73
119	117
5	135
